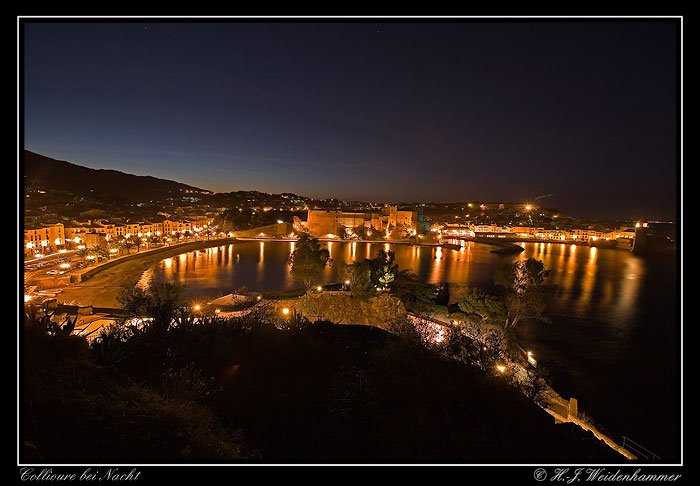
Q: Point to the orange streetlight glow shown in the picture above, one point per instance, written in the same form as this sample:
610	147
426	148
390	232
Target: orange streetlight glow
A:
197	307
285	311
27	298
501	369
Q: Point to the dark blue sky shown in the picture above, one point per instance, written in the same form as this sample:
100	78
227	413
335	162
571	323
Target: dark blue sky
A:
372	111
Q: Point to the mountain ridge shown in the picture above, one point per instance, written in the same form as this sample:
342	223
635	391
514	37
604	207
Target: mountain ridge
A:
42	172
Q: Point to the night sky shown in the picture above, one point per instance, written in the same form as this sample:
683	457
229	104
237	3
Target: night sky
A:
368	111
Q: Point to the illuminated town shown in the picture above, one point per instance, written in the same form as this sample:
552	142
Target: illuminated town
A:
388	223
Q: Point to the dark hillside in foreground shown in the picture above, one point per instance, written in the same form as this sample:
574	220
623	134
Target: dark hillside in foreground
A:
41	172
319	394
358	394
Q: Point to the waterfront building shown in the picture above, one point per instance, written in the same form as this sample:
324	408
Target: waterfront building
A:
48	236
321	222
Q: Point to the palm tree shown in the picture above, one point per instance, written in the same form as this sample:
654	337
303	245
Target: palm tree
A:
100	252
127	244
156	240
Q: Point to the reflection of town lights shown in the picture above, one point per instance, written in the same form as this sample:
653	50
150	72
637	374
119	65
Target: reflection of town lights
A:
501	369
285	311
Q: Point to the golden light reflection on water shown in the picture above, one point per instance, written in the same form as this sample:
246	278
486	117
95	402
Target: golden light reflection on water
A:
590	279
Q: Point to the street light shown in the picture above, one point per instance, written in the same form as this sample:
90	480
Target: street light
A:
27	298
319	288
501	368
285	311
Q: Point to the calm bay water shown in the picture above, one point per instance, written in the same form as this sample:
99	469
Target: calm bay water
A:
612	342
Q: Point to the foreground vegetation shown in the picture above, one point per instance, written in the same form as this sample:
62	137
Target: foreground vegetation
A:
273	389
